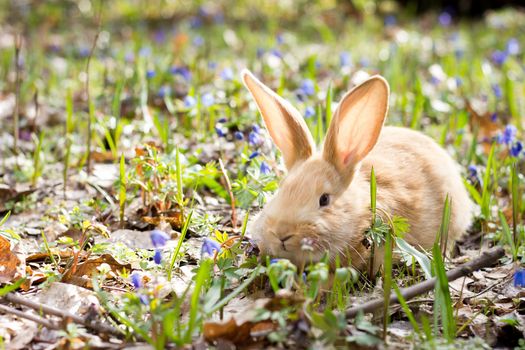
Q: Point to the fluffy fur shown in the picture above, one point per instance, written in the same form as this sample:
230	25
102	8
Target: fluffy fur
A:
414	175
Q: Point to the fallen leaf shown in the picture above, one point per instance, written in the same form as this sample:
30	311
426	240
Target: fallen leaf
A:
10	264
80	274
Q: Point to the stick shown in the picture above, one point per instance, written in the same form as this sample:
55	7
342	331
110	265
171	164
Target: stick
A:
486	259
46	309
230	193
31	317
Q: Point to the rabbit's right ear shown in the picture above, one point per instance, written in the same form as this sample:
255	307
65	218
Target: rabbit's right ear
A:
284	123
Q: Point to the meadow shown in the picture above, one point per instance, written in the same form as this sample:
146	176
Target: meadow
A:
132	160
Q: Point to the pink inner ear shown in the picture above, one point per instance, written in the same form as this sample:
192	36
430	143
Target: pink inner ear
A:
347	156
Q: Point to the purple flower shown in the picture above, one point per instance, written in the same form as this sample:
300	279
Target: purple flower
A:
276	53
160	36
198	41
207	99
472	171
265	168
136	279
445	19
195	22
221	132
390	20
164	91
309	112
209	247
129	57
158	238
274	261
345	59
253	155
144	299
254	139
182	71
494	117
150	73
158	256
499	57
227	74
508	136
212	65
239	136
189	101
256	128
513	46
222	120
519	278
497	91
83	51
516	149
307	87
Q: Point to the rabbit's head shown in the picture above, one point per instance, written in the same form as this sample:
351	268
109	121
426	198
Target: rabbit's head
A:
307	217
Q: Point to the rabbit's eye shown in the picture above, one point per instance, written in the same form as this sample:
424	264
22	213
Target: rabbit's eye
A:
324	200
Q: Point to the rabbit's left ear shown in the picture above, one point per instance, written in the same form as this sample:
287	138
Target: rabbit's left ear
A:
356	125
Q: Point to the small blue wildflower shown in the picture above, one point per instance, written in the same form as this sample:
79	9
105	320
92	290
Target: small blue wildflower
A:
253	138
307	87
345	59
227	74
195	22
274	261
309	112
239	136
198	41
459	81
222	120
189	101
144	299
508	136
497	91
499	57
513	46
182	71
256	128
218	18
145	51
158	256
207	99
221	132
280	39
434	80
150	73
209	247
472	171
265	168
253	155
494	117
136	279
160	36
519	278
164	91
445	19
212	65
516	149
390	21
260	52
83	51
276	53
158	238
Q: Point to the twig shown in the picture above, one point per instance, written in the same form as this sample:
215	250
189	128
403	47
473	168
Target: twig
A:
31	317
16	114
230	193
46	309
88	96
486	259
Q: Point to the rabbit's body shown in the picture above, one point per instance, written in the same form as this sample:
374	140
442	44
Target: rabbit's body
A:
323	204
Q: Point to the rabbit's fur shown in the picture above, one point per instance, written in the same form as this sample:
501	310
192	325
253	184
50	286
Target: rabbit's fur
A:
414	175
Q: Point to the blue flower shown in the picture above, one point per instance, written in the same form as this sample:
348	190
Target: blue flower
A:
158	256
274	261
150	73
209	247
519	278
260	52
144	299
472	171
445	19
508	136
212	65
160	36
158	238
307	87
254	154
516	149
497	91
253	138
227	74
265	168
499	57
276	53
207	99
256	128
83	51
390	20
164	91
222	120
136	279
280	39
189	101
239	136
195	22
221	132
309	112
459	81
345	59
182	71
198	41
494	117
513	46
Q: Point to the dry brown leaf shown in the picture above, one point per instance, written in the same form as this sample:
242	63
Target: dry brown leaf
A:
480	120
102	157
62	254
82	272
9	262
175	219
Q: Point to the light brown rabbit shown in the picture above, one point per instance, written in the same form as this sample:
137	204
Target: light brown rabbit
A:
323	204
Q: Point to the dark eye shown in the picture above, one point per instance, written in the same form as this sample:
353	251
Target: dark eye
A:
324	200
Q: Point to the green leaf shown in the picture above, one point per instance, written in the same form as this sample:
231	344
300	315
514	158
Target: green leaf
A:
408	251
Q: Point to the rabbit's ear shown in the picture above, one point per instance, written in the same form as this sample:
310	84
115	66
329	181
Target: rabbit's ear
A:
356	125
285	124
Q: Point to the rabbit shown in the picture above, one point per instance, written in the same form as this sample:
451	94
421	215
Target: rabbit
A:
323	203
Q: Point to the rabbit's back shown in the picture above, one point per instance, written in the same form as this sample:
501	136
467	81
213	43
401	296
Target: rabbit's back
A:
414	175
